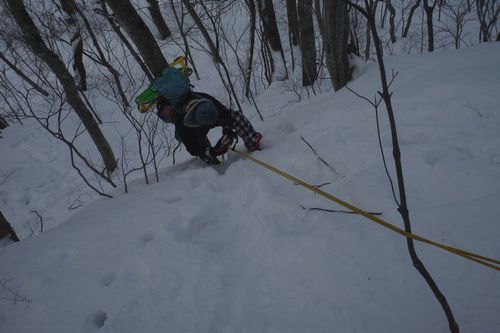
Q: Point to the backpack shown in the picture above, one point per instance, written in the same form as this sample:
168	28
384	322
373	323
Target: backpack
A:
173	85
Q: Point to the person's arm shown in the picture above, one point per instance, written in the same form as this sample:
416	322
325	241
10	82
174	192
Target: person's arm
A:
197	144
225	121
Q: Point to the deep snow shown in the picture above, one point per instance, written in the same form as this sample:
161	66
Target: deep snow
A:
230	248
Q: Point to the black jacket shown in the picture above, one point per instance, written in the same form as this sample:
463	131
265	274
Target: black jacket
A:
195	138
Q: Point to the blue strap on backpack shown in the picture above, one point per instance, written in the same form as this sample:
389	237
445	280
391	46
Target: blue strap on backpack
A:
173	85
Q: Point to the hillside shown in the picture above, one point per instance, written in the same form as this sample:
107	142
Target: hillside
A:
232	249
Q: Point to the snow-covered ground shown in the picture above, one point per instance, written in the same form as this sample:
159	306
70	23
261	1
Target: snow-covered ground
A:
231	248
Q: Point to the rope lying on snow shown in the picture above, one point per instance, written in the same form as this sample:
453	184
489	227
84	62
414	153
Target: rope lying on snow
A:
482	260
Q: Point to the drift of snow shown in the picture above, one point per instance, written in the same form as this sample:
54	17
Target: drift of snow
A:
231	249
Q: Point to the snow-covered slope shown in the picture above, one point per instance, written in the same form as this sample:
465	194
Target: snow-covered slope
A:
231	248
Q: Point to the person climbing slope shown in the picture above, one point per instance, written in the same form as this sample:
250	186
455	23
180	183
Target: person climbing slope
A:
194	114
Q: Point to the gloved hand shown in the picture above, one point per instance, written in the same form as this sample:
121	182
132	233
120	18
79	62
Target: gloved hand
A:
210	157
224	143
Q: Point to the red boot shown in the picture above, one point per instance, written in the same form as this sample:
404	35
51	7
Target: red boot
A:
256	144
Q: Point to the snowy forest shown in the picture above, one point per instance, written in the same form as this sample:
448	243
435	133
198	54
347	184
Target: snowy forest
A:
109	224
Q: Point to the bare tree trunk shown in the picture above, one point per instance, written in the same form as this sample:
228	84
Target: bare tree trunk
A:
251	46
69	6
410	16
337	32
34	40
368	44
104	12
293	21
139	33
307	45
161	25
402	205
392	15
429	11
293	27
318	11
103	61
272	36
487	13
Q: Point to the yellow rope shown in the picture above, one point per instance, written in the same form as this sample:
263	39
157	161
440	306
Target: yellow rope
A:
489	262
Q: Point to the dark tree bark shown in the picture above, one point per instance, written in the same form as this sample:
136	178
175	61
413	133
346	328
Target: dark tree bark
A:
293	27
69	8
319	13
34	40
293	21
410	16
140	34
429	11
253	27
403	210
307	45
161	25
6	229
487	13
272	35
392	16
103	60
103	10
337	34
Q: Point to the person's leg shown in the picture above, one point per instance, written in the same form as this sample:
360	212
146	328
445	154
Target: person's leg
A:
245	130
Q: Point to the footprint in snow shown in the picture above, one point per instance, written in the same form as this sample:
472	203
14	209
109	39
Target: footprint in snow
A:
108	279
95	321
146	238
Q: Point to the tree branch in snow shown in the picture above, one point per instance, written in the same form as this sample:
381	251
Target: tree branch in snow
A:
336	211
40	219
9	292
321	159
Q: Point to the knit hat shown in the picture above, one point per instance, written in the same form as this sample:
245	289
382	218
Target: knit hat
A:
200	112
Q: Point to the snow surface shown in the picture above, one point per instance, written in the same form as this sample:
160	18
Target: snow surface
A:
231	249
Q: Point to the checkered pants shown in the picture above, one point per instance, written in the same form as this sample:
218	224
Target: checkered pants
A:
243	128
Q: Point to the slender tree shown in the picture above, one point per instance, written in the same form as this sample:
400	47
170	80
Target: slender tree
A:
392	16
429	11
34	40
69	8
307	45
140	34
101	9
386	95
293	21
253	26
336	44
410	16
293	27
487	13
272	37
160	24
